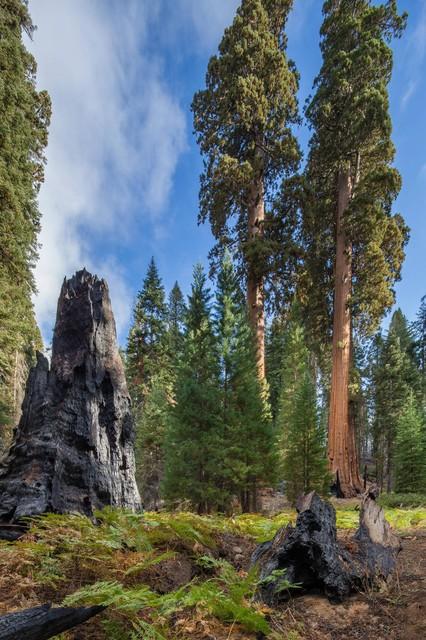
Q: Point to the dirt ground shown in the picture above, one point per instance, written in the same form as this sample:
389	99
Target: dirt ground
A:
397	612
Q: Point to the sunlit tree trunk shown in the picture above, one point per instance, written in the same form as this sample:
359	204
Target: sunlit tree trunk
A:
255	286
341	437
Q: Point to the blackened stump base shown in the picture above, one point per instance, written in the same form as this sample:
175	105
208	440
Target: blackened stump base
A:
73	448
312	557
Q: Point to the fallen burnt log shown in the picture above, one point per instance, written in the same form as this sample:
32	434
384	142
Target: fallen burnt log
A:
12	532
311	556
43	622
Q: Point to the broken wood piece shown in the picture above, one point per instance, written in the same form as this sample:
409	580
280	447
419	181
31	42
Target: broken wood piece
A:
43	622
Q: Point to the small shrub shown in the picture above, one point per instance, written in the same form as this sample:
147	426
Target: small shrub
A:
401	500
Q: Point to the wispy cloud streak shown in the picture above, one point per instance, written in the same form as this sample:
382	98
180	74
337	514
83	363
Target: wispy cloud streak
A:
116	136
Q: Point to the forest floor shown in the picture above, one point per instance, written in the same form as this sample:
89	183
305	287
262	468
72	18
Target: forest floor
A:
176	576
396	612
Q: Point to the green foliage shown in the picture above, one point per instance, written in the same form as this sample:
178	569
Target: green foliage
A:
223	597
403	500
284	584
274	347
410	449
150	435
146	346
419	335
243	121
69	558
24	120
176	310
247	442
394	377
349	115
193	440
301	432
151	350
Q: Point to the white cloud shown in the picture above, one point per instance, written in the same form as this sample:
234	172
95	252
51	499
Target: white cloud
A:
207	19
112	116
117	130
201	23
416	52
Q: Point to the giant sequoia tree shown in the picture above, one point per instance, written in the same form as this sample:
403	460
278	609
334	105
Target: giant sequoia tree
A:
243	119
24	119
354	244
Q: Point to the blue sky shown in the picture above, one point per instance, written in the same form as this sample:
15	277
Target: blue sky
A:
123	166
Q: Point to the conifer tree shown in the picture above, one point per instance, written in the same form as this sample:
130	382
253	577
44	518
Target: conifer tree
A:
247	447
419	334
176	310
146	345
392	391
274	348
410	449
147	361
243	121
193	441
159	399
300	430
400	328
150	439
347	211
24	120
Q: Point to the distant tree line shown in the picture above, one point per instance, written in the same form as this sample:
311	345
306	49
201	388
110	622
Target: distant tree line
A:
205	433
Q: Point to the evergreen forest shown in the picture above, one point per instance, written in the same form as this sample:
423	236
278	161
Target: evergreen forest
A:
285	367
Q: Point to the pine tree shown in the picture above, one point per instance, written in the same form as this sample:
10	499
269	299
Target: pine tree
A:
351	186
148	362
194	439
400	328
392	391
274	348
150	439
301	432
248	447
159	399
176	310
24	120
410	449
419	334
146	345
243	120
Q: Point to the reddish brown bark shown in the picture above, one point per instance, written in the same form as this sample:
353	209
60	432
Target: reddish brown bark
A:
342	452
255	289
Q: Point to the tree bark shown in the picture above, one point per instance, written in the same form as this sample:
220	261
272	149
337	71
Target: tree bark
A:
255	288
311	555
342	452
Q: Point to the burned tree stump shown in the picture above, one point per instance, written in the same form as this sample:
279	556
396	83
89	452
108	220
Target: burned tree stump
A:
41	623
311	556
73	448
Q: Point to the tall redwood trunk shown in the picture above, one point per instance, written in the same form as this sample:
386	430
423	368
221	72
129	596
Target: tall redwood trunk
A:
255	290
342	452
